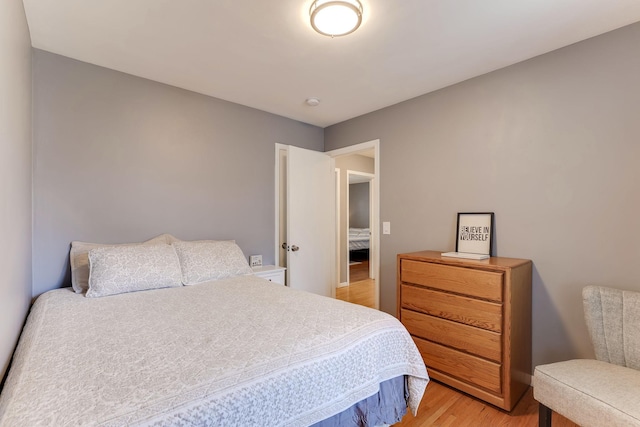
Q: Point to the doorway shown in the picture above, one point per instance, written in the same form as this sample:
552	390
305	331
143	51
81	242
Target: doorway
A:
358	225
358	164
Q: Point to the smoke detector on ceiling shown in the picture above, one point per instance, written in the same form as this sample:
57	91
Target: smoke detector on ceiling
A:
312	102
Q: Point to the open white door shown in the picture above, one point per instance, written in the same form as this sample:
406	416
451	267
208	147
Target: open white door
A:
310	221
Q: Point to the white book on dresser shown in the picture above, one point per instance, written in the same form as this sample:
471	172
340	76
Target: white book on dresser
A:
465	255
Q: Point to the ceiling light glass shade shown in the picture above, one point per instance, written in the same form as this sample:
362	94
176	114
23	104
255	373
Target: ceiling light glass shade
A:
335	17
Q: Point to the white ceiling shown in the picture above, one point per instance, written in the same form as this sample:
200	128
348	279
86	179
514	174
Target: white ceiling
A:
264	53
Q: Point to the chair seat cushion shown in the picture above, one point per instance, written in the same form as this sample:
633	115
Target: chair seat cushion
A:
590	392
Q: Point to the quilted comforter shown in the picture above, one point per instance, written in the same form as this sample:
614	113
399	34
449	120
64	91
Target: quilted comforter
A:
359	238
239	351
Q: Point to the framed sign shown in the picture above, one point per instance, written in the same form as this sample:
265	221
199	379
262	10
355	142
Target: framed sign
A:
474	233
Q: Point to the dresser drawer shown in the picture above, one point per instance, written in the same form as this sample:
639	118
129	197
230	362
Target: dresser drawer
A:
480	313
466	281
467	338
466	367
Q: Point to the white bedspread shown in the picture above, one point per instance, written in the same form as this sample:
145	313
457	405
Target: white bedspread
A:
236	352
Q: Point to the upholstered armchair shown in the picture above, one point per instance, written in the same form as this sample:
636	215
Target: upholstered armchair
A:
602	392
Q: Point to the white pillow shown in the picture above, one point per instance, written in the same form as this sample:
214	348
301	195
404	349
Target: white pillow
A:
120	269
79	258
205	260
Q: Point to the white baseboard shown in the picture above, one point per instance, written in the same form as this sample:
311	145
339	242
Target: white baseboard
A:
342	285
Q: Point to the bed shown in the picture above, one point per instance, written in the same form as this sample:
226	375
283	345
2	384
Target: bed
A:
359	244
232	351
359	238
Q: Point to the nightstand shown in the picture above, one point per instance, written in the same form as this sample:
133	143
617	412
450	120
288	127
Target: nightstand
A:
270	272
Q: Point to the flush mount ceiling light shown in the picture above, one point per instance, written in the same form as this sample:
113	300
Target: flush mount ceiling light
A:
335	18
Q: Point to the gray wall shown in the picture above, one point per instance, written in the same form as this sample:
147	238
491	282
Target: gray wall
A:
15	175
121	159
551	146
359	205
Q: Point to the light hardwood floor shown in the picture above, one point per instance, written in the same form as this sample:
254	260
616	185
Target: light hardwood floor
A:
359	271
361	290
444	406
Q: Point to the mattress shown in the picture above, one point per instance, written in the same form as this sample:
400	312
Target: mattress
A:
359	238
240	351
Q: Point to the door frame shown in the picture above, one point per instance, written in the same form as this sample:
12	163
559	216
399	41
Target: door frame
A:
374	250
280	198
337	236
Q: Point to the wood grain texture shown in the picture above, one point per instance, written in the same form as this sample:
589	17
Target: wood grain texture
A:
362	292
473	340
445	406
468	371
474	282
470	311
359	272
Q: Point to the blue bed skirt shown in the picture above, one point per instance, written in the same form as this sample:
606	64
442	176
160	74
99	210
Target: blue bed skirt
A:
386	407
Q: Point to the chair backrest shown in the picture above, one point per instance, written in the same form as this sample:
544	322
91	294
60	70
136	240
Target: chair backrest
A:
613	320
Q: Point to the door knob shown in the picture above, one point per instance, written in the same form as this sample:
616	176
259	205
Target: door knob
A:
293	248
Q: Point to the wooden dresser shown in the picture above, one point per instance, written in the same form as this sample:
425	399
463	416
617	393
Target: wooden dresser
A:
471	321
